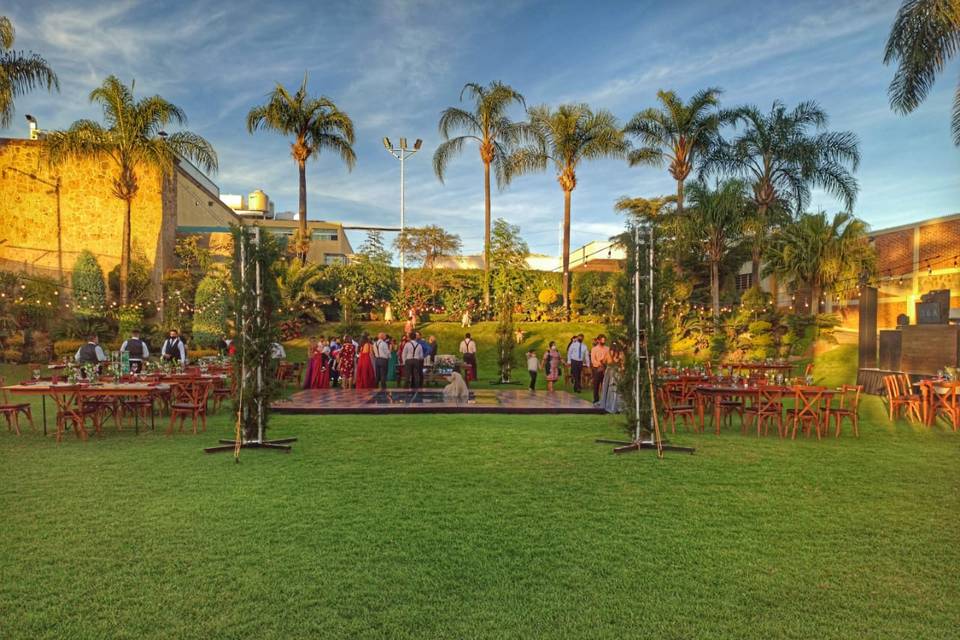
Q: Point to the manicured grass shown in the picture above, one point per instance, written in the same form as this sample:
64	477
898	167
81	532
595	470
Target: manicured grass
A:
454	526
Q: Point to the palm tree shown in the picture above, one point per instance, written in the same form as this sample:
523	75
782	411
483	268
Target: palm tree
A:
19	73
571	134
714	225
677	133
924	37
315	124
821	254
299	286
496	135
784	154
132	138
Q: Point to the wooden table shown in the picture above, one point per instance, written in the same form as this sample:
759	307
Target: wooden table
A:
716	392
939	388
108	389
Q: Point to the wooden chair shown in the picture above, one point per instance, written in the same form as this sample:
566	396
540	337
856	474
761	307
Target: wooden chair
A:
189	398
767	406
941	400
674	403
899	400
224	390
11	411
807	409
73	411
849	408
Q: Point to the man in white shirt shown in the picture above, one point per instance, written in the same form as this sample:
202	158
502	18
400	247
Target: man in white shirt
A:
576	355
468	350
173	348
137	349
90	355
381	359
413	363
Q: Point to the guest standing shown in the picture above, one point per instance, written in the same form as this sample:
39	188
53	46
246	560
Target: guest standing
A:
91	355
364	377
321	367
381	354
393	366
412	360
311	351
551	365
576	355
598	364
610	391
468	350
346	362
533	366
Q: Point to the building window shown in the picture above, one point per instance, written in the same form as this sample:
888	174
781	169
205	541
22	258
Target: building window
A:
279	231
744	281
324	234
334	258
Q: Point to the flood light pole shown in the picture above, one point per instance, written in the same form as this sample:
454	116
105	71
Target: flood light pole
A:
401	153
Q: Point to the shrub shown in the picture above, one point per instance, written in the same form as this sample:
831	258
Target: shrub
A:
12	355
129	318
547	297
718	346
89	289
67	348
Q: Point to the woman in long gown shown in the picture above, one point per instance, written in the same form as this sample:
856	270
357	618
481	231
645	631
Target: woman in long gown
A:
321	372
610	391
551	365
392	362
347	353
364	377
308	376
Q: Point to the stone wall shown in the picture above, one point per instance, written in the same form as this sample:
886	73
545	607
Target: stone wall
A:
91	217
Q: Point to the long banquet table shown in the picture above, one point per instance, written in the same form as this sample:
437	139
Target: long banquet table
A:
714	393
90	390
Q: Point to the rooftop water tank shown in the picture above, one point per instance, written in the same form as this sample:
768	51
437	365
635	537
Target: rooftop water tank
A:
258	201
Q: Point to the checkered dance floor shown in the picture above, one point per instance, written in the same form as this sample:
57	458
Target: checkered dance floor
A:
326	401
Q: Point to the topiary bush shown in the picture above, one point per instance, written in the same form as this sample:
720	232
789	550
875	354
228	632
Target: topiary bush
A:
89	288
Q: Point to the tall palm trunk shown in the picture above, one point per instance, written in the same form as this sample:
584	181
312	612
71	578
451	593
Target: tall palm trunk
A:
125	255
304	241
757	250
566	252
486	234
814	298
715	289
680	196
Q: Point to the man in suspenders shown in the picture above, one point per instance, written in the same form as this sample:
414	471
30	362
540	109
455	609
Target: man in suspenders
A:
468	349
173	349
137	349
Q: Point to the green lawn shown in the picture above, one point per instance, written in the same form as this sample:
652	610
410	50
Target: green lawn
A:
452	526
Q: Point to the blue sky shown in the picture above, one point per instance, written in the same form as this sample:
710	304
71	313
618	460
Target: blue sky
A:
393	66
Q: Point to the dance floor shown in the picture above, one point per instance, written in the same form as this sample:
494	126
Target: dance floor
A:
325	401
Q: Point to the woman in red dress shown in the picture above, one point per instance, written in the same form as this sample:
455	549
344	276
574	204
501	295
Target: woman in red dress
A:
321	367
345	360
365	377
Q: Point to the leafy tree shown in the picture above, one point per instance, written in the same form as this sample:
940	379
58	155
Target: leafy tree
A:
784	154
677	133
193	256
508	259
496	135
566	137
713	226
506	342
647	209
428	245
210	315
138	282
133	140
373	249
19	72
89	290
316	124
822	254
925	35
360	283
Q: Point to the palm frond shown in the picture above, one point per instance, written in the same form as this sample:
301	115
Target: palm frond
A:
446	152
19	74
6	32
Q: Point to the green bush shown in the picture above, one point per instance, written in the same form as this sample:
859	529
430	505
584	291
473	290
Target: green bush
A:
718	346
210	316
67	348
129	318
89	289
